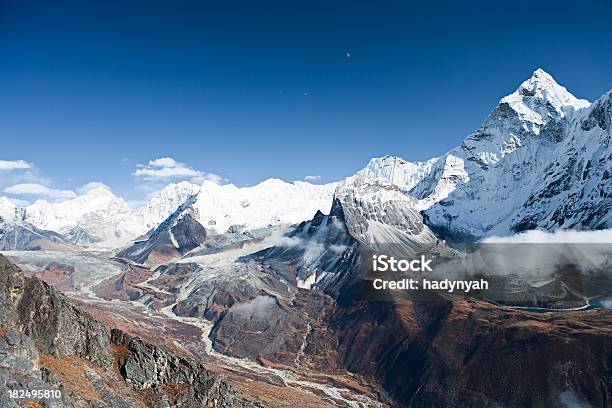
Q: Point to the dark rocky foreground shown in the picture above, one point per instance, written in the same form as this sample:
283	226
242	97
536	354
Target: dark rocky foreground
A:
48	343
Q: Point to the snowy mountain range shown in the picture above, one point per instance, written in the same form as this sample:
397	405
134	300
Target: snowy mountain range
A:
222	215
540	160
99	217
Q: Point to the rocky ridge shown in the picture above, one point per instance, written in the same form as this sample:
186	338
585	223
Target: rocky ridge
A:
47	343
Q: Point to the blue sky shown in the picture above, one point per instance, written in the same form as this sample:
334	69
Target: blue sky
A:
251	90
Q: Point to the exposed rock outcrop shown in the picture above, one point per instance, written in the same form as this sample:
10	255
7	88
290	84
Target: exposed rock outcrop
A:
48	343
177	235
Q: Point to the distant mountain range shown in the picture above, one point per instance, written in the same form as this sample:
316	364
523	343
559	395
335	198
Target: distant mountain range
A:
541	160
102	219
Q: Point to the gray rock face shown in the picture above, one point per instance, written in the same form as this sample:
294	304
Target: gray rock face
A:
21	236
146	367
322	252
19	357
272	323
177	235
59	328
326	251
220	286
48	343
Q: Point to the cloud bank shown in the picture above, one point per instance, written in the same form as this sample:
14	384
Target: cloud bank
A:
36	189
167	168
14	165
558	237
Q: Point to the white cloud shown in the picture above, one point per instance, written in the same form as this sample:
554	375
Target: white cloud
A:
167	172
312	178
164	162
215	178
279	238
338	249
91	186
536	255
558	237
14	165
312	249
166	168
39	190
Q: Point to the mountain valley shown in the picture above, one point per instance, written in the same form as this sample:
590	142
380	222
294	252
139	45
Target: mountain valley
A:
257	296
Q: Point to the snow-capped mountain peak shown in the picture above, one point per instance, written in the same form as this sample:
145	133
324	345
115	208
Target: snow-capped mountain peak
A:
540	97
163	203
92	205
98	215
541	159
542	84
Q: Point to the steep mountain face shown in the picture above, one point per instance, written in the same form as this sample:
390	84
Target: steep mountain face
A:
322	251
177	235
576	192
366	215
47	343
379	214
163	204
540	160
393	170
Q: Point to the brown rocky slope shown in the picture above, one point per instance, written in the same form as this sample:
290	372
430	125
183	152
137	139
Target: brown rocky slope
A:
468	353
48	343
